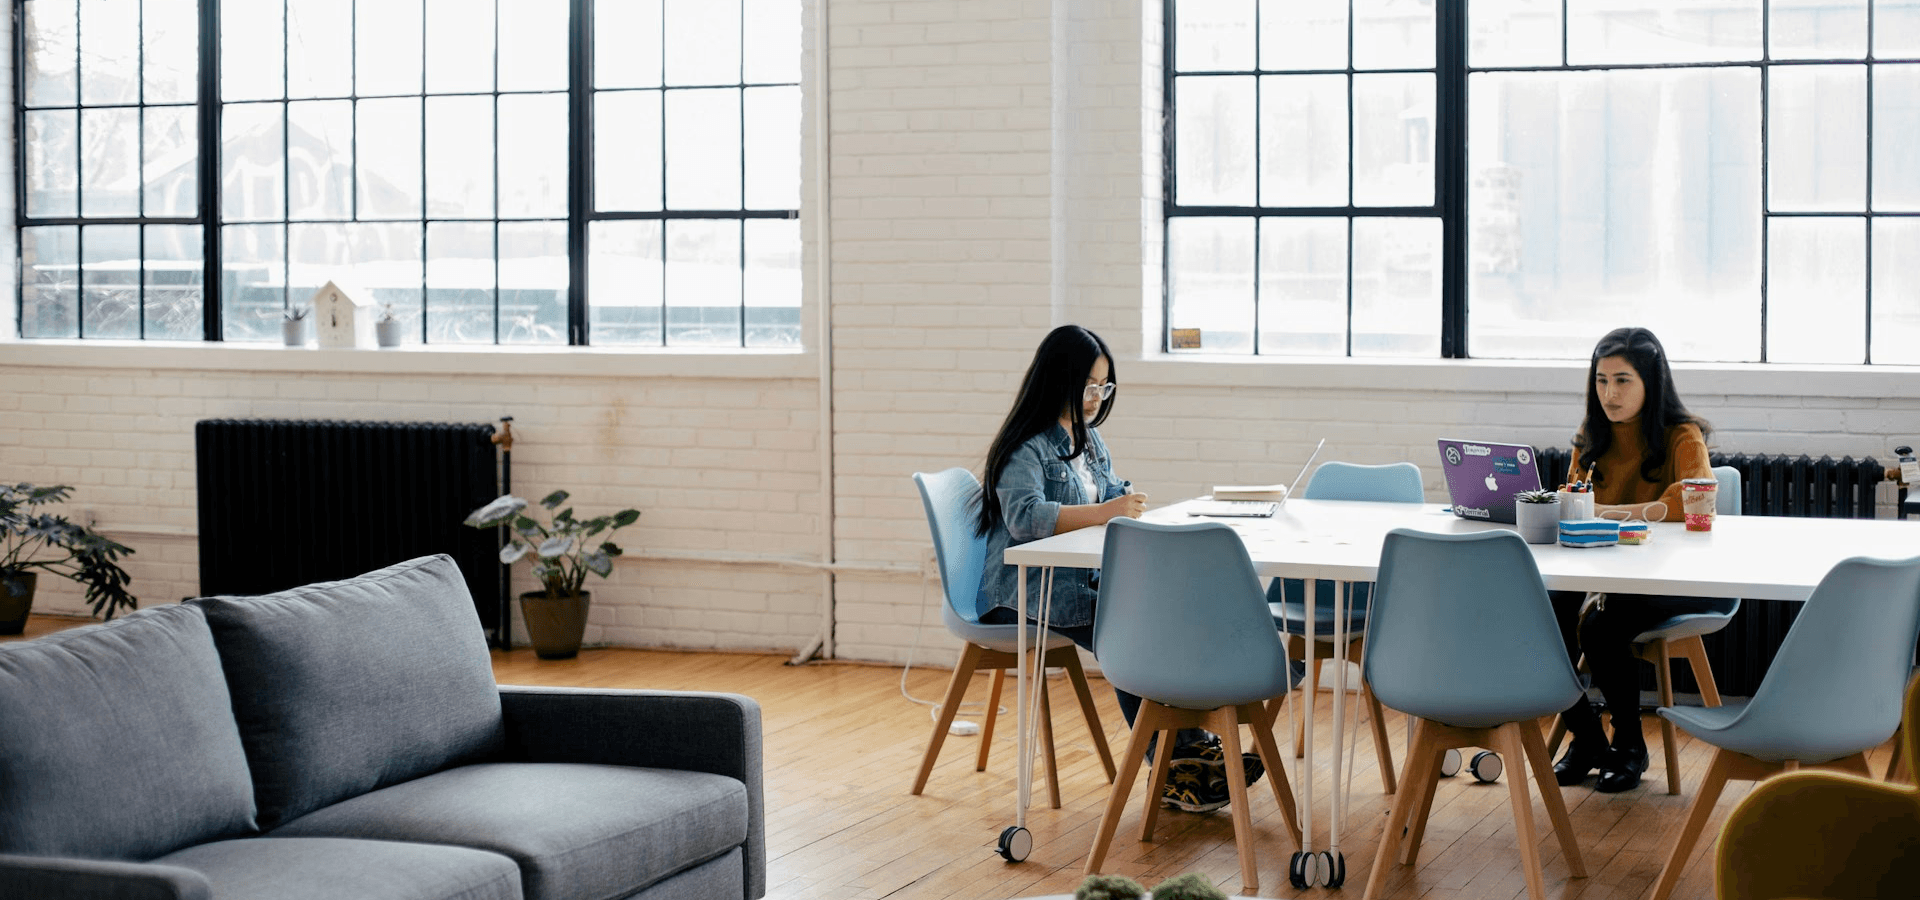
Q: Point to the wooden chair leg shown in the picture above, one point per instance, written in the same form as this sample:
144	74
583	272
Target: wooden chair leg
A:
1078	675
1852	765
1046	742
1157	785
1507	742
1663	678
1726	765
1550	796
1898	769
1117	796
1423	804
993	715
1382	751
1269	749
1695	650
1227	725
1420	773
956	690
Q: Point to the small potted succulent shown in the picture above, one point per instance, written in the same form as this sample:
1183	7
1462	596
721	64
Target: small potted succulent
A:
1536	515
563	550
293	326
387	330
34	540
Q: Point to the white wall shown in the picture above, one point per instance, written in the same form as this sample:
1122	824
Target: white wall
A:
994	172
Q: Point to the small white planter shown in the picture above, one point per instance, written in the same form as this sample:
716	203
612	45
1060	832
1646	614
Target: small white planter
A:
1538	523
388	332
294	332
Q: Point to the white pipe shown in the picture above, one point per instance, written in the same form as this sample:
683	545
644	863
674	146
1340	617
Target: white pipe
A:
823	305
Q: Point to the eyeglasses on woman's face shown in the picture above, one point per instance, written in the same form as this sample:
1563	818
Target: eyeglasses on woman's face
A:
1097	392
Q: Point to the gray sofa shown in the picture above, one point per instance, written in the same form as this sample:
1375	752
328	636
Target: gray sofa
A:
347	740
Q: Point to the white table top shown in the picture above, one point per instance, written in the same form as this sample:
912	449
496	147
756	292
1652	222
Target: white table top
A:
1755	557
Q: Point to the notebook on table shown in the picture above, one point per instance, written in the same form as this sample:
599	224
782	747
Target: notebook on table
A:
1483	476
1219	508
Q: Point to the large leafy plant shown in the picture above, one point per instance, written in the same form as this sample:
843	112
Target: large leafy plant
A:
53	543
564	549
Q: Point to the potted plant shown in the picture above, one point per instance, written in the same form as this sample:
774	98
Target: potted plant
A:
563	551
387	329
293	328
31	539
1536	515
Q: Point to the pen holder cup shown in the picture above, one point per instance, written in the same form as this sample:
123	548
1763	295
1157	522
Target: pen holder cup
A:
1575	505
1538	523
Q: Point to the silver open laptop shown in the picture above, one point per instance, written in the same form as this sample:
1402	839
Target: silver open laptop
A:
1255	508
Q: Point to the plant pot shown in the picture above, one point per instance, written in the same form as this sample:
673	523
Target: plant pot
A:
1538	523
388	332
555	626
16	601
293	332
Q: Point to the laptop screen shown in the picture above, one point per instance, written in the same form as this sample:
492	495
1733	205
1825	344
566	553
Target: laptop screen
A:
1483	476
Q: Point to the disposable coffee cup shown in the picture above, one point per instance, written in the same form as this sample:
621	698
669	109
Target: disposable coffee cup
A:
1698	499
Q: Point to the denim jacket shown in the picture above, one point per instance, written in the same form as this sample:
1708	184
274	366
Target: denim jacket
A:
1032	488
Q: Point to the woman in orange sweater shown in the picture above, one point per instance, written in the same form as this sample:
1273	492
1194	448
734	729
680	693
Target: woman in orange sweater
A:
1638	441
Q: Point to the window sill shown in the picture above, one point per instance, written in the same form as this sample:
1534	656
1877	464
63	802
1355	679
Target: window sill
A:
415	360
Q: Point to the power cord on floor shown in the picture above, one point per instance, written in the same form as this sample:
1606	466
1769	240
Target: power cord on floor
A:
959	726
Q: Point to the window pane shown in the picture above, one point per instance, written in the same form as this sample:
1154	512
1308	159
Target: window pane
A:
387	149
460	282
626	151
321	143
1816	290
171	64
1213	141
170	161
1817	139
1896	28
1818	29
175	294
533	282
109	51
1213	35
1896	132
316	254
50	288
1896	291
460	157
624	283
703	283
52	38
1396	287
1661	31
703	150
705	45
252	37
634	27
1303	140
386	261
533	45
1596	197
460	46
1210	268
773	147
110	282
53	165
252	169
319	48
1393	34
1303	34
1513	32
387	47
1303	286
533	156
254	281
772	41
110	162
773	282
1393	118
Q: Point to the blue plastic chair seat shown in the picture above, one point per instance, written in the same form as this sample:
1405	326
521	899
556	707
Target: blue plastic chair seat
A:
1711	616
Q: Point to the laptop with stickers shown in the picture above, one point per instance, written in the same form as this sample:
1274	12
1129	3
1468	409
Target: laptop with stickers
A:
1483	476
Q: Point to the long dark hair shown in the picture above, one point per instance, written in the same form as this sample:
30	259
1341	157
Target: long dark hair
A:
1056	381
1661	410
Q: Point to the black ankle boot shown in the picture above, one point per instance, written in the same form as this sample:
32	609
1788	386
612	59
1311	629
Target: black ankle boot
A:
1622	769
1583	755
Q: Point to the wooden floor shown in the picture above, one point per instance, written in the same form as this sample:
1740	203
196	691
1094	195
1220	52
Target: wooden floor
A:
842	746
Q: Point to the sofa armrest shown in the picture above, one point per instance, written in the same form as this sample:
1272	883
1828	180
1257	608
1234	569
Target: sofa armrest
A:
71	878
693	731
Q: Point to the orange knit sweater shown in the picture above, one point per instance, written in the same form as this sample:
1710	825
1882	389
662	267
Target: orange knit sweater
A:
1619	480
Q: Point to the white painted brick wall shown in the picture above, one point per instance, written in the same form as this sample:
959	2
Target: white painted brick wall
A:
995	173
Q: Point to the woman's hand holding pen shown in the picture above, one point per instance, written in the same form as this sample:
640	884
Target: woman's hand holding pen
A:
1130	504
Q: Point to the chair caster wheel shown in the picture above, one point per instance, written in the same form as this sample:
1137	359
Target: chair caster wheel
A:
1015	844
1486	767
1450	764
1335	867
1304	871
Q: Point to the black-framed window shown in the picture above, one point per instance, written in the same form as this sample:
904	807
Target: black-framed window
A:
451	158
1732	174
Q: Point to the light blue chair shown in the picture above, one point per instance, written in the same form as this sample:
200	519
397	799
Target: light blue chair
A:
1833	692
1182	624
1681	636
962	553
1475	660
1286	597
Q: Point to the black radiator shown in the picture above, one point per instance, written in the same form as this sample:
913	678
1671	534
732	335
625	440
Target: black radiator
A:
1776	485
289	502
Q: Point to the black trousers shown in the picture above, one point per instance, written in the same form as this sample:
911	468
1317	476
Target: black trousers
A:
1606	637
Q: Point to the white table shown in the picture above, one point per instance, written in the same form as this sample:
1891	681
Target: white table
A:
1755	557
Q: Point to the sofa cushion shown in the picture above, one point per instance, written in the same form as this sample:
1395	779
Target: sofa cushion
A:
576	830
347	686
117	740
334	868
